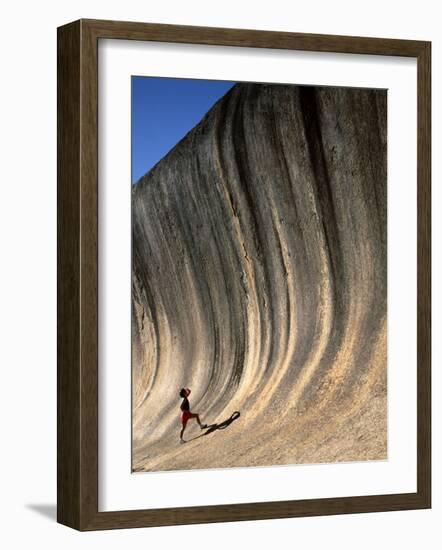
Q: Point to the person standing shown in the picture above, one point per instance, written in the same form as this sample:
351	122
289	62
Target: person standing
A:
186	413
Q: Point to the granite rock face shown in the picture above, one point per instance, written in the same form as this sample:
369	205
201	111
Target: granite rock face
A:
259	281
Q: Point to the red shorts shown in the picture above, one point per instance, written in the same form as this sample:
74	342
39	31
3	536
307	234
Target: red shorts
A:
185	415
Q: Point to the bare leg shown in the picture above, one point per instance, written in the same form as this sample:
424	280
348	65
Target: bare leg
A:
182	433
197	416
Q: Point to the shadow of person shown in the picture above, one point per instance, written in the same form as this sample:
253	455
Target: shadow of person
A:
222	425
218	426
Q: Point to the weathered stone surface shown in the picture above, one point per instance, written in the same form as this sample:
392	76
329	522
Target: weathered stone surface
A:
259	280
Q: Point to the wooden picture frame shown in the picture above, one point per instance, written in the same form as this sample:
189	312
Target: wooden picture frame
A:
77	458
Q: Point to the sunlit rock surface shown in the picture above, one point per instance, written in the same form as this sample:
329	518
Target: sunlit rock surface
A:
259	281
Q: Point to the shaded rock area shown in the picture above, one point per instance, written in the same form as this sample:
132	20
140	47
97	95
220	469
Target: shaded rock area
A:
259	281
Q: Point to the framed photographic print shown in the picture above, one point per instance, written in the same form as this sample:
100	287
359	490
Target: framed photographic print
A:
243	275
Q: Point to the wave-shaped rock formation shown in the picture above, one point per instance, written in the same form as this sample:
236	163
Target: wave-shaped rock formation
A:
259	281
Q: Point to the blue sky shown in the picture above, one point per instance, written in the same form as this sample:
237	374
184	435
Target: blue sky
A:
163	111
